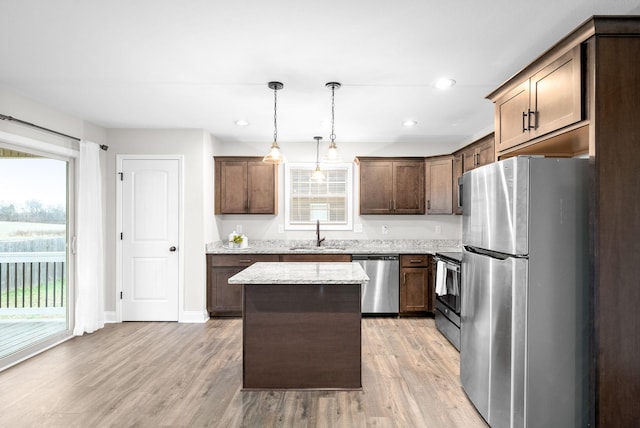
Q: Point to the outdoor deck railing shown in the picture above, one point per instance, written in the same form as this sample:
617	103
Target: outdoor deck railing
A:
33	280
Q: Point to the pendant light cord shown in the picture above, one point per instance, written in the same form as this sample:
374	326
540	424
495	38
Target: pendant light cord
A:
275	115
333	111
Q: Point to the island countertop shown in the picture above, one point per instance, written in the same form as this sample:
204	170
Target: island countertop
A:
301	273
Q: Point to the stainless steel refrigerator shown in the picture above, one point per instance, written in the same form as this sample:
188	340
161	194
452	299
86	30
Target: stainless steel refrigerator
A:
524	314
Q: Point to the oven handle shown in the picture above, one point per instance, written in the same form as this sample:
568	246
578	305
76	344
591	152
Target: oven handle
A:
450	266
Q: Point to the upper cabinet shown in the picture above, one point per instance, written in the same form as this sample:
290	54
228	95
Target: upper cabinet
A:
391	185
245	185
439	186
544	101
480	152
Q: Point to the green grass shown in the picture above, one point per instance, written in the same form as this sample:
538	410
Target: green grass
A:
12	295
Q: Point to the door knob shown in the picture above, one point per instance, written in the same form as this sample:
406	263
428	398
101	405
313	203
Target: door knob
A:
172	249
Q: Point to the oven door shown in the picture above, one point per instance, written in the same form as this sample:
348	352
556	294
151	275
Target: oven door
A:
448	285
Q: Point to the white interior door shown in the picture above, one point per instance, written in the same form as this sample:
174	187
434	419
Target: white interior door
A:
150	236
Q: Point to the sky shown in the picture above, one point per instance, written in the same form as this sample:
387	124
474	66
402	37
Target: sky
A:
23	179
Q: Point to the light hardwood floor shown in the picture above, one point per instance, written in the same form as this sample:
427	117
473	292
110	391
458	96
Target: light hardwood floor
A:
190	375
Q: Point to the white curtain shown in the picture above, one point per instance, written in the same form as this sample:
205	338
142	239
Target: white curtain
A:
89	314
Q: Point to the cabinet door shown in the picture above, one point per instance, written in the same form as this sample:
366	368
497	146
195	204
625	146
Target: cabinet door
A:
376	184
468	159
511	126
556	94
439	186
485	152
223	298
261	188
233	187
408	191
414	290
457	173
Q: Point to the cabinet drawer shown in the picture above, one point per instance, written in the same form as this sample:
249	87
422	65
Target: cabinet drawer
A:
421	260
240	259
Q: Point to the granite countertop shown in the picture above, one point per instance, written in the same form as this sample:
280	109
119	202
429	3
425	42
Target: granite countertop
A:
301	273
372	246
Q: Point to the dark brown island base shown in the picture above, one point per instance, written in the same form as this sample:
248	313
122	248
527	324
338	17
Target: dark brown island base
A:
301	325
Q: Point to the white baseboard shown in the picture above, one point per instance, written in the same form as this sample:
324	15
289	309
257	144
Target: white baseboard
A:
194	316
110	317
186	317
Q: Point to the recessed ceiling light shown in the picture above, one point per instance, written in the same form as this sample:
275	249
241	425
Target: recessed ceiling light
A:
409	123
242	122
445	83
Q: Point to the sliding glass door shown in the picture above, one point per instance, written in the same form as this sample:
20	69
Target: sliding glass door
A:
35	202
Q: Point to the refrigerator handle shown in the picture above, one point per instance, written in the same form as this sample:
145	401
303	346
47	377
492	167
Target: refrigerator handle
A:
488	253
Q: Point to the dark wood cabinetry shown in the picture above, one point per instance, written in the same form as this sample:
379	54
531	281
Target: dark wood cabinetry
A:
416	286
478	153
594	110
438	184
391	185
548	100
315	258
224	299
245	185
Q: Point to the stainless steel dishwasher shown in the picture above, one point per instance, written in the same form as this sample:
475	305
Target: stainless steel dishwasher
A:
381	295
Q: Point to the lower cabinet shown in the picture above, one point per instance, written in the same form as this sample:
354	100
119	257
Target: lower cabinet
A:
224	299
416	286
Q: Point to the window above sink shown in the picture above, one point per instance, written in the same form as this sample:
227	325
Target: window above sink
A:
330	201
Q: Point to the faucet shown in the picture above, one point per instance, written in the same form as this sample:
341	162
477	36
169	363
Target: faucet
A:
318	240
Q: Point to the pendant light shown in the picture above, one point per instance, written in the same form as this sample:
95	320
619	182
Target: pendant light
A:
332	155
317	175
274	156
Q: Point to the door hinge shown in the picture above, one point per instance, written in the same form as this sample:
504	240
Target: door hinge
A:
121	176
121	295
121	236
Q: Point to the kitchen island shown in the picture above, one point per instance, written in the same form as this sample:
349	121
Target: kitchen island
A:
301	325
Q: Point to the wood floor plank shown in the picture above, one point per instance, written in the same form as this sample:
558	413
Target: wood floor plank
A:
190	375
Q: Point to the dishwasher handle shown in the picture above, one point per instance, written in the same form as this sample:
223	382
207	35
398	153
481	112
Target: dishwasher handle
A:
389	257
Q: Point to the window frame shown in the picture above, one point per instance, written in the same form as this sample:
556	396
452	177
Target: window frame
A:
311	166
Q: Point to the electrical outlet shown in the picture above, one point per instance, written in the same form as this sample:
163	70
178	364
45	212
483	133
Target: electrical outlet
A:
438	228
357	228
239	228
385	229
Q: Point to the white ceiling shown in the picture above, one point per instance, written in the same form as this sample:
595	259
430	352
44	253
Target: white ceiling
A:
206	63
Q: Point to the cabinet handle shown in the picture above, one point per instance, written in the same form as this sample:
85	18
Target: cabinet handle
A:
394	204
531	113
244	261
428	204
390	206
415	261
524	116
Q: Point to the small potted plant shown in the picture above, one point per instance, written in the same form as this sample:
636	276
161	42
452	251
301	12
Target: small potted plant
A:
237	240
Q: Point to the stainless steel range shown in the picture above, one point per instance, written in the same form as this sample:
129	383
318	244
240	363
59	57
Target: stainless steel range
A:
447	285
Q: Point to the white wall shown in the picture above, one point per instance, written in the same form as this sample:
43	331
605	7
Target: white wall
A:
195	146
399	226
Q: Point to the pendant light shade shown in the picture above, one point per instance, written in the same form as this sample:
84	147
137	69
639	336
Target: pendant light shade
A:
317	175
332	155
275	156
